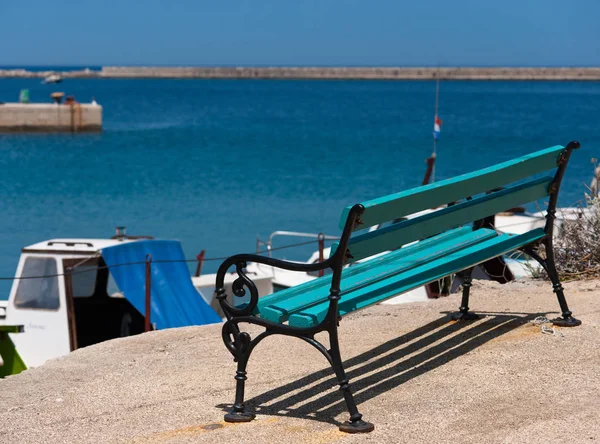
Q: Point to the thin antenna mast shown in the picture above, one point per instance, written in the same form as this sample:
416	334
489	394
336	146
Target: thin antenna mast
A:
435	120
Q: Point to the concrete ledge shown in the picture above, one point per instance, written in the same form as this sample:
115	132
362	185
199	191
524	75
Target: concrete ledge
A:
49	117
419	377
49	129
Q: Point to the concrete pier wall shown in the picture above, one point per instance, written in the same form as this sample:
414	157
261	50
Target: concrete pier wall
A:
300	72
49	117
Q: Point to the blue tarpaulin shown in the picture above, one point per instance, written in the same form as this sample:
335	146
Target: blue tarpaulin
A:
174	300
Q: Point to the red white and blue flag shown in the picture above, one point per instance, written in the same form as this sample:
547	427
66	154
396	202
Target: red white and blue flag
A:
437	127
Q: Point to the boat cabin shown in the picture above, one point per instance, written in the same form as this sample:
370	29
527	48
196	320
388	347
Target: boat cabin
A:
62	313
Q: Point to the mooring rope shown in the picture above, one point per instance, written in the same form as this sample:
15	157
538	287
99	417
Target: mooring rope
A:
542	322
73	269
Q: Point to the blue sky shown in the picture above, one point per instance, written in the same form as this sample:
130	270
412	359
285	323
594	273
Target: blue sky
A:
299	32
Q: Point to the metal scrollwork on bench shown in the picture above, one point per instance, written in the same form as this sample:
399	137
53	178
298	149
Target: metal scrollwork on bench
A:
236	342
239	290
243	280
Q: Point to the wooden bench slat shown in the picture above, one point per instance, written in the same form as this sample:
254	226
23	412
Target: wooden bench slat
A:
377	269
433	195
325	281
384	289
368	244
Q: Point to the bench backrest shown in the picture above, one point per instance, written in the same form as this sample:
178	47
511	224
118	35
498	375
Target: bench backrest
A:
470	197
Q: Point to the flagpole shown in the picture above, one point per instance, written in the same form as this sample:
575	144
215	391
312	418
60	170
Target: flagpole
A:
435	114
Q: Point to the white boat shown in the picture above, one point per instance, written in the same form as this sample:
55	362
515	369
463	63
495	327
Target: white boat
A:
52	78
285	279
522	222
101	298
269	279
41	305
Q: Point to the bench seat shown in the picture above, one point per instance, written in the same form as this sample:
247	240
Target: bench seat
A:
383	277
277	306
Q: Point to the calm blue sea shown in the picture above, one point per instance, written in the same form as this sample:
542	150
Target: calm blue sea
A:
213	163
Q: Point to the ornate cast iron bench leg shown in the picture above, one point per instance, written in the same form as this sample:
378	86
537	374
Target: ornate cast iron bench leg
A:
242	354
567	319
463	312
356	423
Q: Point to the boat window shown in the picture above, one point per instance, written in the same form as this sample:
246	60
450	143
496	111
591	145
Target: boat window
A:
112	288
84	280
39	293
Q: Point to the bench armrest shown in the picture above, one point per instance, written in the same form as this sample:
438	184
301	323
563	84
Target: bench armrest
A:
335	262
278	263
240	261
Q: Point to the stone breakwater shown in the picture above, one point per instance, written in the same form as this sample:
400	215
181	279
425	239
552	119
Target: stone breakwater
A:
340	73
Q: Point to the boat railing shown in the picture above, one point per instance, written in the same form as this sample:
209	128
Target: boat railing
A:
268	244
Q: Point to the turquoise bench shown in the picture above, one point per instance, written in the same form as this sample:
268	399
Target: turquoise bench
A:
388	261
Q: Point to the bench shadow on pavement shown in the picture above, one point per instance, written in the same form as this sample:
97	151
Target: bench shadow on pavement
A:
383	368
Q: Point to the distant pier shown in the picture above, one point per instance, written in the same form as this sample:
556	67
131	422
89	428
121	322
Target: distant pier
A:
340	73
50	117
